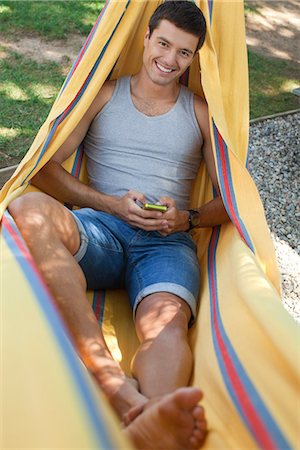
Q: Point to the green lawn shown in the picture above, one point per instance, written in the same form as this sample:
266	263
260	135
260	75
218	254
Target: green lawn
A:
49	19
28	89
271	82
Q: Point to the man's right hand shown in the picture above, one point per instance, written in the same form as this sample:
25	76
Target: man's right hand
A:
127	209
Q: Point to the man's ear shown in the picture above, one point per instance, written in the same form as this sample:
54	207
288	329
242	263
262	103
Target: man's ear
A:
147	34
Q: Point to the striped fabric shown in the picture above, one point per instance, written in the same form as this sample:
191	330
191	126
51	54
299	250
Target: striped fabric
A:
244	342
78	416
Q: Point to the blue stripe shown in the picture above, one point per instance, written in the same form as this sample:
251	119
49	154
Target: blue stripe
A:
102	307
256	400
41	296
232	195
210	6
95	304
77	156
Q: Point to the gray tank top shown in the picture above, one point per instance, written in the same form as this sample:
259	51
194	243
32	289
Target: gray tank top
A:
155	155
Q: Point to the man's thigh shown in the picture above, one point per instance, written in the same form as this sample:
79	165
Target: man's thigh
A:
163	264
100	254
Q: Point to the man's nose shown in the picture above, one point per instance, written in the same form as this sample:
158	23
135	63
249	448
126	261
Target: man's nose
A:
170	58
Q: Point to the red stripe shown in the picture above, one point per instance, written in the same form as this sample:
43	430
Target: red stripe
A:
98	305
225	169
224	172
256	424
65	113
89	38
79	162
25	254
23	250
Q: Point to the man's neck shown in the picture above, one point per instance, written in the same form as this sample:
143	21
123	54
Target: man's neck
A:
142	86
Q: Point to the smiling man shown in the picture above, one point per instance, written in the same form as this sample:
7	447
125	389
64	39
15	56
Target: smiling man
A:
144	138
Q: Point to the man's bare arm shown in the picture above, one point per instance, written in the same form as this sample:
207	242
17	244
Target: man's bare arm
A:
212	213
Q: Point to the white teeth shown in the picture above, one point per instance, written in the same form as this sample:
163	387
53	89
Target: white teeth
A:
163	69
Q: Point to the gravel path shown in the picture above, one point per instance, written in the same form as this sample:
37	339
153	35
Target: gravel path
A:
274	163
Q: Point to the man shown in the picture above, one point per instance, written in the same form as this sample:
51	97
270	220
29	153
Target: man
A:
144	138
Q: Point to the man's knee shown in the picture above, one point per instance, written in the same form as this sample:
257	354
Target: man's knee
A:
39	216
30	210
162	312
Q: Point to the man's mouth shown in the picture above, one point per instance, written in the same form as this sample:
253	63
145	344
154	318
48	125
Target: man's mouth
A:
163	69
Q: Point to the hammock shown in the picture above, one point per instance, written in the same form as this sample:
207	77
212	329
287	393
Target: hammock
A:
244	342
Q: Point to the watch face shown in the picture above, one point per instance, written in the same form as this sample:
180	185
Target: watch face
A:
195	218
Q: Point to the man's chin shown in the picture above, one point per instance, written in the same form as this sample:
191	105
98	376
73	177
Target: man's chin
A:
163	81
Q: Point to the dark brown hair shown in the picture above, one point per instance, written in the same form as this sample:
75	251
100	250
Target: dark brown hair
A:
183	14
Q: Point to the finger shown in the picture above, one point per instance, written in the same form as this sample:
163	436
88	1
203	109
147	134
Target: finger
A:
150	224
168	201
135	195
171	213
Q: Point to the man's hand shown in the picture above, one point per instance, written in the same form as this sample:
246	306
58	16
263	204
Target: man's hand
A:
127	209
176	220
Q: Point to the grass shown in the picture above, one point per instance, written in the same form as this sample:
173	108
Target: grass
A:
271	83
251	8
25	103
49	19
28	89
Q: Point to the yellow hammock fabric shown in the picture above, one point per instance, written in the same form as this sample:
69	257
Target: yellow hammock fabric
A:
244	342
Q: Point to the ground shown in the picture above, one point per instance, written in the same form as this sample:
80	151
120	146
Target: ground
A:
272	29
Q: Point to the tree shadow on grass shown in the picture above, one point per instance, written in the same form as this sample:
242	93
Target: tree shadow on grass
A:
27	92
273	28
50	19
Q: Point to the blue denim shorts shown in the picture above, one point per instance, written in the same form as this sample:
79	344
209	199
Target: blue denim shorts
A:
115	255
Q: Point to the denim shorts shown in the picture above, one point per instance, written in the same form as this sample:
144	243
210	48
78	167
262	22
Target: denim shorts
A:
115	255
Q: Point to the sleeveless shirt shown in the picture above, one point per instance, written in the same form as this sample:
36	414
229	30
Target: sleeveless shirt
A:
155	155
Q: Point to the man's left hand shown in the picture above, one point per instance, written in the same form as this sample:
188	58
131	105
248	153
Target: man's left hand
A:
176	220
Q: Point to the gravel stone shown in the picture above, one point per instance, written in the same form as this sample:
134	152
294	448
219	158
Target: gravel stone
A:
274	163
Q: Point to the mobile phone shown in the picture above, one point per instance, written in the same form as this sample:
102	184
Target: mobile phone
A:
152	207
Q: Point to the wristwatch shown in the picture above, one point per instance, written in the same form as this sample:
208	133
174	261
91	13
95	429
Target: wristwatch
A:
194	218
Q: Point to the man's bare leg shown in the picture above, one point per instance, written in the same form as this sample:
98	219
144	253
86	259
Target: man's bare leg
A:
162	365
164	360
176	422
51	234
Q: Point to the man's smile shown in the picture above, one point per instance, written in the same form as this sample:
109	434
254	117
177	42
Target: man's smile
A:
163	68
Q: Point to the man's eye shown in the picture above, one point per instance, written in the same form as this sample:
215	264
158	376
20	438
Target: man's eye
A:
163	44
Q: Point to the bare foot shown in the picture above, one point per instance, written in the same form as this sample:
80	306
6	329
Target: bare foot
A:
176	422
122	393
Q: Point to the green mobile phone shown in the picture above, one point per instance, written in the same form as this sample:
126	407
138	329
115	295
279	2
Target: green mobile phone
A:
152	207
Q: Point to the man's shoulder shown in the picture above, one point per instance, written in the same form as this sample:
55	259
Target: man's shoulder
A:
201	113
200	106
107	90
103	96
199	102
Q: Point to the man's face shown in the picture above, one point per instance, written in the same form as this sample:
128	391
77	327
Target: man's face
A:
168	52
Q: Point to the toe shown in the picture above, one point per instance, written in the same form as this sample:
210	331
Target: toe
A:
198	413
201	424
188	397
197	438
